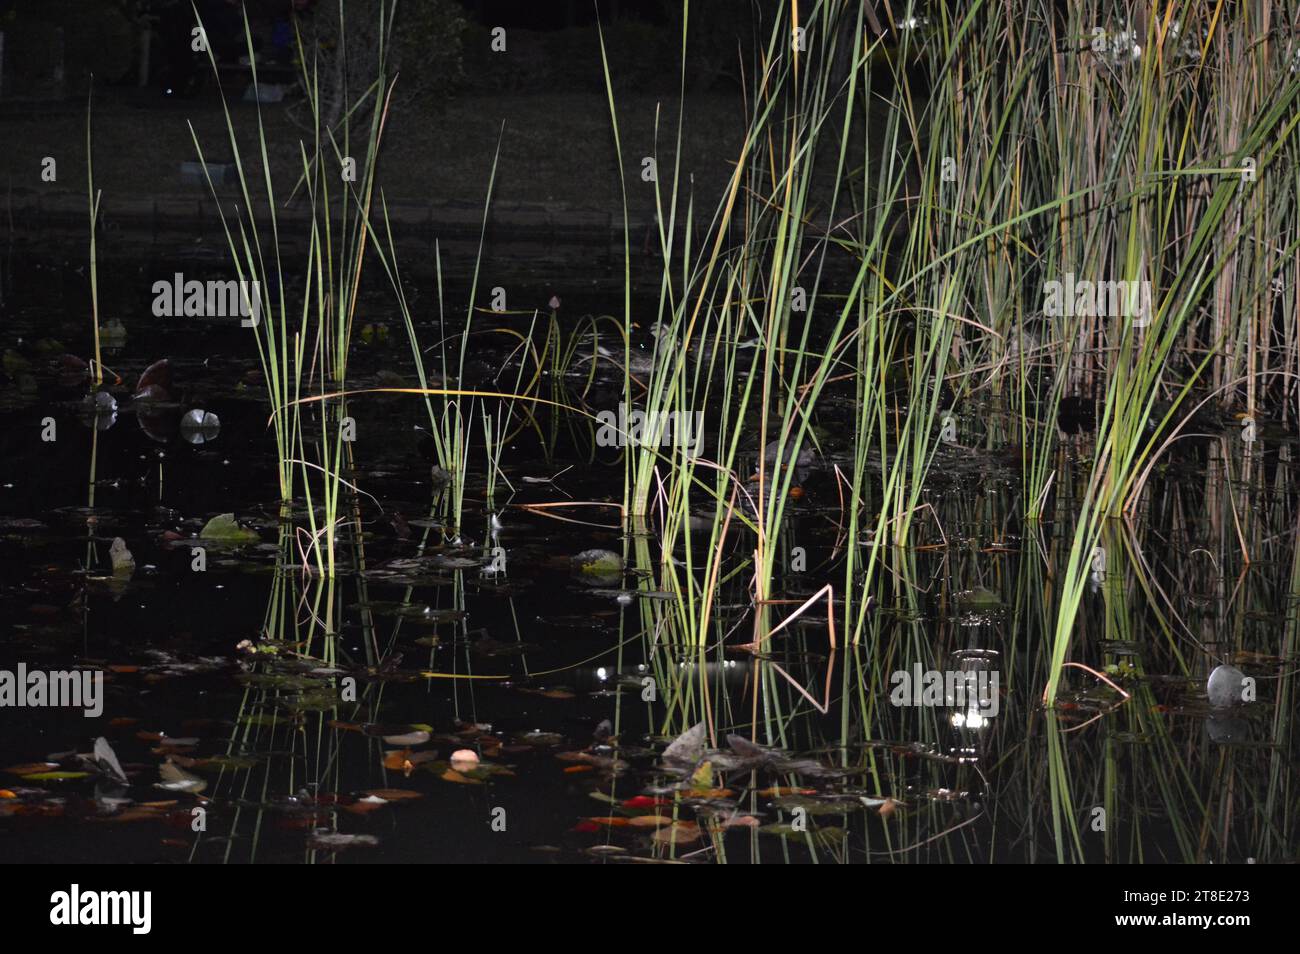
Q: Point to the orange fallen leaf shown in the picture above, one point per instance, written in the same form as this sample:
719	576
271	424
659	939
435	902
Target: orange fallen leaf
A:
397	758
649	821
575	769
135	814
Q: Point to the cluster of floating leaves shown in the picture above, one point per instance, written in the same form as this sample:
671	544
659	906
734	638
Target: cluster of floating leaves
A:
692	799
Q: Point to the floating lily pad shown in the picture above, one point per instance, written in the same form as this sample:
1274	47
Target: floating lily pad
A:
600	567
334	841
316	701
445	562
223	529
827	835
416	737
978	600
466	773
268	680
394	794
816	806
176	779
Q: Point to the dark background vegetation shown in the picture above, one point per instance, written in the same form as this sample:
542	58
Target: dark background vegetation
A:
453	93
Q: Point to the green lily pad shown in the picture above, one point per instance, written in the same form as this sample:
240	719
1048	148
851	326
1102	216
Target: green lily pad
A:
978	599
266	680
598	566
815	806
828	835
223	529
318	700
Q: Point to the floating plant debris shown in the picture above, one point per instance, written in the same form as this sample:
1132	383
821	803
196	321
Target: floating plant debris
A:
592	475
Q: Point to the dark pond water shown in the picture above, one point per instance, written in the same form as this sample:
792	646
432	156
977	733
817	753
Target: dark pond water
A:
568	746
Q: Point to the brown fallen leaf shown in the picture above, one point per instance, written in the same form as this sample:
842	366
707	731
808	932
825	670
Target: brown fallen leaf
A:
394	794
678	833
139	813
550	693
708	793
31	768
451	775
174	750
